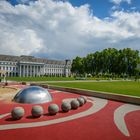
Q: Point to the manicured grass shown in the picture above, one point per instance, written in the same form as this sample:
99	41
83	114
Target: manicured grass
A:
123	87
20	79
35	79
40	78
28	79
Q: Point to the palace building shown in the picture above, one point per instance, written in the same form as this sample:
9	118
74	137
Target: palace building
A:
30	66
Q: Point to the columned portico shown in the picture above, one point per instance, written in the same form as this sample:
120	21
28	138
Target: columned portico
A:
31	69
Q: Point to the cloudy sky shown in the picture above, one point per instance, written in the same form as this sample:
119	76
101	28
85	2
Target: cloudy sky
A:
58	29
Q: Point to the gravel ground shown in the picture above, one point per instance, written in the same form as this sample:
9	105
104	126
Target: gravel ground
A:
7	93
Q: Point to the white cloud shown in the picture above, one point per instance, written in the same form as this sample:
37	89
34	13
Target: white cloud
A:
117	2
59	30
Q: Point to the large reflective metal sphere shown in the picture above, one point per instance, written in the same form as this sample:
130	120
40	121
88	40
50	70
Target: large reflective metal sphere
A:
33	95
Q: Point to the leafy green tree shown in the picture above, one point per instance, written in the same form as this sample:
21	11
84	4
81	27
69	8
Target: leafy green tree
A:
89	63
128	61
77	66
109	61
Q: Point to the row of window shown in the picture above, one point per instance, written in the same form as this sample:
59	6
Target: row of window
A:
8	63
46	65
56	70
49	70
54	66
53	69
54	74
15	69
8	68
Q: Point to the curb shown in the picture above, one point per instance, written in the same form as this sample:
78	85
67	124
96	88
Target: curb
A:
104	95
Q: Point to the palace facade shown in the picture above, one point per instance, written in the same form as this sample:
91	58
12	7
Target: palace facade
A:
30	66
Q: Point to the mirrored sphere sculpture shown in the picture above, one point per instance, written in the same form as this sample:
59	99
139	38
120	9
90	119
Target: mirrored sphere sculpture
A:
33	95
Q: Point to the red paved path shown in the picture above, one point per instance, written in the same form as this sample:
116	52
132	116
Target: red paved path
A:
98	126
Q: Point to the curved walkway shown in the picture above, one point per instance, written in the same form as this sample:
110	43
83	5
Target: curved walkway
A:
97	104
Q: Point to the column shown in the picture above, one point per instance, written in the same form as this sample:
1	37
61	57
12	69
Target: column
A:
23	70
30	70
43	70
39	70
20	70
27	70
34	71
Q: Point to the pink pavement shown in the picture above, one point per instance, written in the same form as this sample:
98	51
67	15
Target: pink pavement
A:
98	126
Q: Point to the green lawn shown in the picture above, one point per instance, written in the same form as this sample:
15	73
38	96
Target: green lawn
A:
127	88
28	79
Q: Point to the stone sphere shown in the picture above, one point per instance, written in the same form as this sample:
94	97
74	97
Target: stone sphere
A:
37	111
81	101
66	106
75	104
53	109
33	95
17	113
85	98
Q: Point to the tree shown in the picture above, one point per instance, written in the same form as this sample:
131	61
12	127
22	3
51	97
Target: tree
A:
89	63
129	60
77	66
109	61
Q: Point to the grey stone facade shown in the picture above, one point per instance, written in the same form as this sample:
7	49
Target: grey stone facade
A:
30	66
